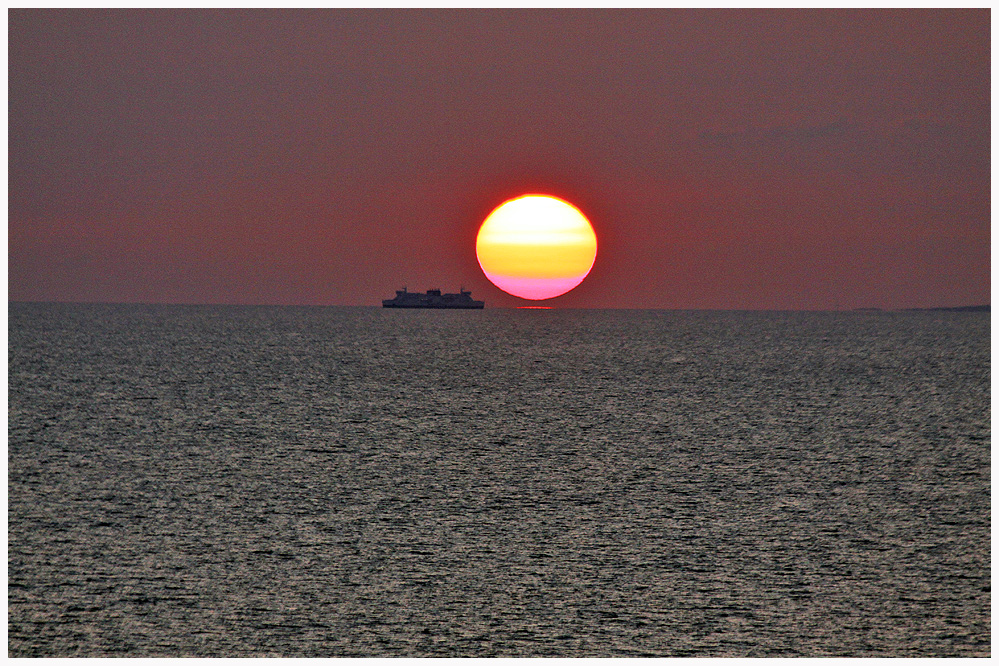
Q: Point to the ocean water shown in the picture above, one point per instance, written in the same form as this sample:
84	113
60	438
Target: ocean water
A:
241	481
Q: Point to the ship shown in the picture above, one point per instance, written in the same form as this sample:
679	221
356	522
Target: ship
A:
434	299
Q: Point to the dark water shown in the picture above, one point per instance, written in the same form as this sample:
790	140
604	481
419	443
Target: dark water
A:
359	482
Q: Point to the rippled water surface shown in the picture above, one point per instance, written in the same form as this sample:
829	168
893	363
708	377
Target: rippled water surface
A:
239	481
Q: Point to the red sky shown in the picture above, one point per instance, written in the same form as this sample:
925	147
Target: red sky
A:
818	159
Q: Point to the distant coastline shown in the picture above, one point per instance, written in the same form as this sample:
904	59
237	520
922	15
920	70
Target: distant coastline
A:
962	308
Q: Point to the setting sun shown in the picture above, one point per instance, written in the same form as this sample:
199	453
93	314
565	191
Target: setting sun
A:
536	246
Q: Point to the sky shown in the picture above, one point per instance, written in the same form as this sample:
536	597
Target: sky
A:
727	159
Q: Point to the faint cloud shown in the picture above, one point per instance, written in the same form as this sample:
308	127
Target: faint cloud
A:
917	143
780	133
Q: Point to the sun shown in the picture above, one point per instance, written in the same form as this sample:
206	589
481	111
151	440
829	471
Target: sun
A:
536	246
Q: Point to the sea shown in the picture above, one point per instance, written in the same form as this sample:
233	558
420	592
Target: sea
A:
229	481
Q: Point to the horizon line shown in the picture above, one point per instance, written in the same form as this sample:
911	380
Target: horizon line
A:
984	307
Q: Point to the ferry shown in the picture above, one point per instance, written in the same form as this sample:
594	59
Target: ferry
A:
434	299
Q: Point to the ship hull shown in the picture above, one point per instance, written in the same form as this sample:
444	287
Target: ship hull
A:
473	306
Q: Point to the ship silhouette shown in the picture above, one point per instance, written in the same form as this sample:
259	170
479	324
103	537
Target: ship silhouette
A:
434	299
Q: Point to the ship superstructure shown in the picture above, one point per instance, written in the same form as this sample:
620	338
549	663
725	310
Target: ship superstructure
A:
433	299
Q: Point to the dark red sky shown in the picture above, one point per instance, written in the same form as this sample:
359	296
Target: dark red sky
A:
727	159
